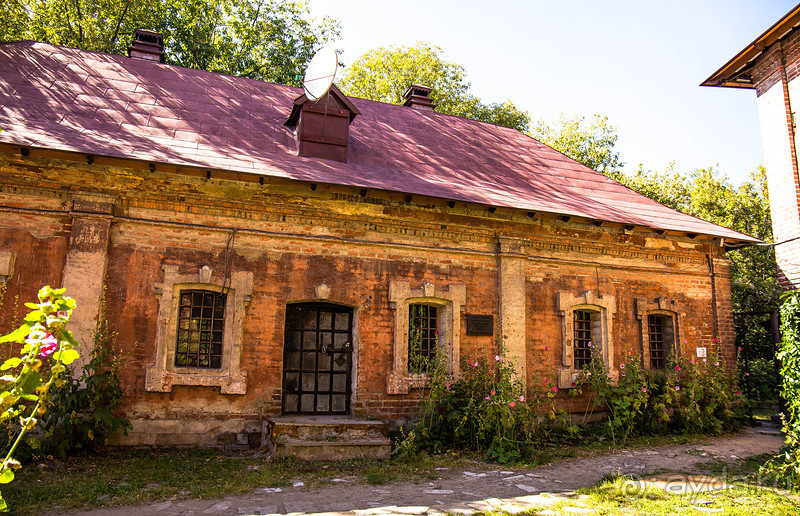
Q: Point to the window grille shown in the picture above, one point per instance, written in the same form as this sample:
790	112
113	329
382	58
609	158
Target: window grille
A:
422	336
201	320
655	332
582	340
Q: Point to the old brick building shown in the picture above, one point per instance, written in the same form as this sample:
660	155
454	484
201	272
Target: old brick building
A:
261	254
769	65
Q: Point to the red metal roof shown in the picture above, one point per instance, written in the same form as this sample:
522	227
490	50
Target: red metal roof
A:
73	100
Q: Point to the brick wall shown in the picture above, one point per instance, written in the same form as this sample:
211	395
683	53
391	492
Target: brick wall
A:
293	239
778	87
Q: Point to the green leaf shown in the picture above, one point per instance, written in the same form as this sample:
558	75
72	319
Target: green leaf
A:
34	316
10	363
32	306
6	476
17	335
66	356
66	335
30	382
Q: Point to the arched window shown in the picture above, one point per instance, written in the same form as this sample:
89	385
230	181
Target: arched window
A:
427	326
584	321
586	333
659	331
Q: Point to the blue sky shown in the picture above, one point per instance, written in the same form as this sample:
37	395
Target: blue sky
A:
637	62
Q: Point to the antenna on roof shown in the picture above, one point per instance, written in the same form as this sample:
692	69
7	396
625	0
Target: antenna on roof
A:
320	72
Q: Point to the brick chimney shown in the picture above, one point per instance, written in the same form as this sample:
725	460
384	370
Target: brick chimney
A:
147	45
418	97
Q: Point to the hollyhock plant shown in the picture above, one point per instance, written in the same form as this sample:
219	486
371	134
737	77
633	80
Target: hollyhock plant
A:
42	334
48	345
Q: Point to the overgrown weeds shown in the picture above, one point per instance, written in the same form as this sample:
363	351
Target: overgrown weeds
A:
492	410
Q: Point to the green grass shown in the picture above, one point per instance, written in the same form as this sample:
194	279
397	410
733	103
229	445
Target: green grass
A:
620	497
752	494
137	476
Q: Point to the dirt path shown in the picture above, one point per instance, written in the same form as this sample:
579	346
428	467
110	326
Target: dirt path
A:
465	491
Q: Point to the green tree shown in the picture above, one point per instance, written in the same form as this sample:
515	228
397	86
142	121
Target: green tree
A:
384	74
746	209
706	194
589	142
669	187
268	40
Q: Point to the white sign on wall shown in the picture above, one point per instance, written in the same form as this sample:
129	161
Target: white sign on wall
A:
701	352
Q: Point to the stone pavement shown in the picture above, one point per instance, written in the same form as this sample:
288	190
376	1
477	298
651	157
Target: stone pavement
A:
466	491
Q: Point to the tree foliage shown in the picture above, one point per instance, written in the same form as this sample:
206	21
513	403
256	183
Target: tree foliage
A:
269	40
384	74
590	142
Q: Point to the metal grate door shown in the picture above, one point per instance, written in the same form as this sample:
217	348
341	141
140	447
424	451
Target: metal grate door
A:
317	359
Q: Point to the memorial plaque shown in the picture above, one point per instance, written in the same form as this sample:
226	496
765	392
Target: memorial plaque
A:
482	325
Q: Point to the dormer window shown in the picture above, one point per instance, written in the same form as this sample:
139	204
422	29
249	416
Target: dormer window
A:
323	126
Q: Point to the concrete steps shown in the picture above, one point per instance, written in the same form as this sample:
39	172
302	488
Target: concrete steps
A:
329	438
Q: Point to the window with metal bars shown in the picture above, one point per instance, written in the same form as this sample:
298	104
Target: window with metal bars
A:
201	323
422	336
660	338
582	338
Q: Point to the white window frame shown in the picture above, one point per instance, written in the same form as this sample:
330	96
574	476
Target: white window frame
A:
164	374
450	303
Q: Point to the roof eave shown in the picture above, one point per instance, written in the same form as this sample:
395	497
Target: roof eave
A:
725	76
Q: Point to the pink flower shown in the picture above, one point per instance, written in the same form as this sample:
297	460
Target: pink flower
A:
498	358
685	341
474	365
48	345
716	364
740	349
622	366
705	360
747	374
486	398
677	387
554	389
589	344
492	392
690	361
623	374
436	332
547	381
574	384
512	404
644	389
739	393
521	398
678	368
715	339
547	348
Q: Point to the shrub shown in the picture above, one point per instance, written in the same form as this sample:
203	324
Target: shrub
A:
85	409
787	464
485	409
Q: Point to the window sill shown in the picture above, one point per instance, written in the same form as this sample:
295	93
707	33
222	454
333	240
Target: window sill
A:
163	381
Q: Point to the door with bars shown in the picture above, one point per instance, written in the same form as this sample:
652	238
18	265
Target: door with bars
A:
317	359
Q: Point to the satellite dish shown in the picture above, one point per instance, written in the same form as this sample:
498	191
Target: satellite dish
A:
320	73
